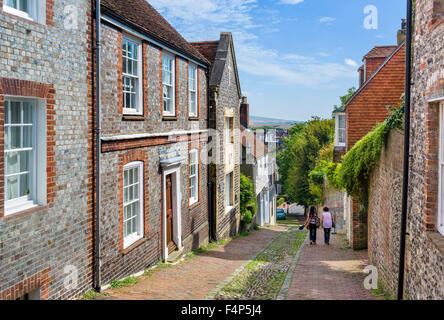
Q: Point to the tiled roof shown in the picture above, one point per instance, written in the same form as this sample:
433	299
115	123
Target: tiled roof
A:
257	146
380	52
141	14
207	48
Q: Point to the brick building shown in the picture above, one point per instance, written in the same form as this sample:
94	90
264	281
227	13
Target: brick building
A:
225	103
425	243
46	137
154	195
382	84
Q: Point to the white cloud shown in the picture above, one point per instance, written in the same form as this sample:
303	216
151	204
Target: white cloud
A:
327	20
351	63
290	1
205	19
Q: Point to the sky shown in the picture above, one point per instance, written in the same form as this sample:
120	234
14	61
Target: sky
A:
295	57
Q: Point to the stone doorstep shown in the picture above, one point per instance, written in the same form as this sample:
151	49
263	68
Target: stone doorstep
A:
176	256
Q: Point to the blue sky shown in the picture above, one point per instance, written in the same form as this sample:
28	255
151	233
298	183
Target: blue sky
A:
295	57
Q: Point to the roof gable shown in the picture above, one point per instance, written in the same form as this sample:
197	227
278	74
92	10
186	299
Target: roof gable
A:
141	14
219	56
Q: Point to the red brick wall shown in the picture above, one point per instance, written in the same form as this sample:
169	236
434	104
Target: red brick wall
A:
39	280
368	108
372	64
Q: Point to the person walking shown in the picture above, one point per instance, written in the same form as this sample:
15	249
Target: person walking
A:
312	222
327	224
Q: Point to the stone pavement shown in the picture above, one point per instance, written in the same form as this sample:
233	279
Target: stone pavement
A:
193	278
332	272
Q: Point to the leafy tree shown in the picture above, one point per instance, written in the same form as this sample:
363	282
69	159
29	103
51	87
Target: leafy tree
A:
248	202
344	99
299	158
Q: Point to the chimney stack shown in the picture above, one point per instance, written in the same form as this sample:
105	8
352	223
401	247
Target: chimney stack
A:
245	112
402	33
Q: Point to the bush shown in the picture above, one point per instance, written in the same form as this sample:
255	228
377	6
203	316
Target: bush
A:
280	201
248	203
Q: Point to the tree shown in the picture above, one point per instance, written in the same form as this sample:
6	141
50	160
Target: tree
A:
248	202
344	99
299	158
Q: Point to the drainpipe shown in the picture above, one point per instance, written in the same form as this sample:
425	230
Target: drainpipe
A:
97	276
210	183
405	184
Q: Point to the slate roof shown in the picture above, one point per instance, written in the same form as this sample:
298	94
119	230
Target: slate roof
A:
380	52
143	16
258	148
224	46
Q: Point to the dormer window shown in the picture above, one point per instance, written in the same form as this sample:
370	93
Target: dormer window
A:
340	135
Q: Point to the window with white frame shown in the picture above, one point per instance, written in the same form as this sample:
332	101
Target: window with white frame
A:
132	203
168	81
441	171
25	154
28	9
340	129
229	191
192	80
194	176
132	75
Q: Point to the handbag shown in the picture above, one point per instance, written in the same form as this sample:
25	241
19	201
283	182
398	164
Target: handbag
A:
333	225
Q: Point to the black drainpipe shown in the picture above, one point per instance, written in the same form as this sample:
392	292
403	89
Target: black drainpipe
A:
97	130
405	185
210	183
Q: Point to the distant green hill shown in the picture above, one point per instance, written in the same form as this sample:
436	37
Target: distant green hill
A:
260	121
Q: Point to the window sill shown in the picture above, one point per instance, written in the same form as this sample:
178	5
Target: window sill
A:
193	205
128	117
23	212
437	239
193	118
169	118
134	246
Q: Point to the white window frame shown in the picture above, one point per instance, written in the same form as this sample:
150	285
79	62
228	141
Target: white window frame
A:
172	85
229	192
37	165
36	13
195	199
139	77
337	129
193	109
440	222
139	234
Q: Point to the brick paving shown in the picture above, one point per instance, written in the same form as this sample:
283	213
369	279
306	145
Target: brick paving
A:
195	277
332	272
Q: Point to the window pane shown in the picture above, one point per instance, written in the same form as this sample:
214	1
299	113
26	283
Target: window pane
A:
12	188
27	112
25	157
24	5
24	185
7	135
125	177
7	108
12	163
12	3
15	112
15	137
27	137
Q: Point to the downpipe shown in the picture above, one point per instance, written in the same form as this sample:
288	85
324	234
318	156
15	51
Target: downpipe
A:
405	184
97	131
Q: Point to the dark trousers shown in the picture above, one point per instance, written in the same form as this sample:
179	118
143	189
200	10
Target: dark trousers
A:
327	234
312	232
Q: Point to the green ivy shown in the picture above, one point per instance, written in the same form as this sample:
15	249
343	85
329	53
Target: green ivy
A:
354	173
